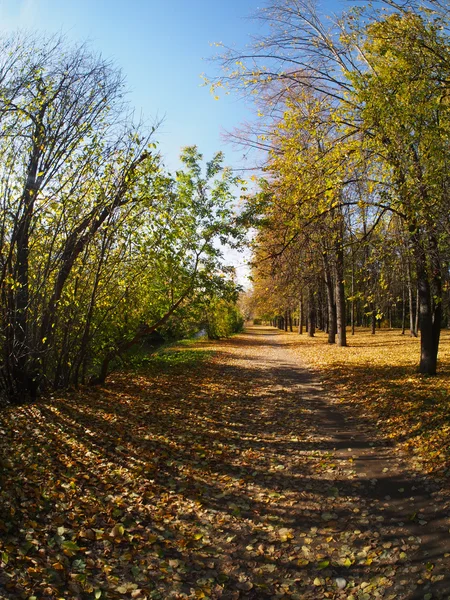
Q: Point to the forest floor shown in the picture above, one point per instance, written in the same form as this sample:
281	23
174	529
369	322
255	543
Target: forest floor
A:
230	470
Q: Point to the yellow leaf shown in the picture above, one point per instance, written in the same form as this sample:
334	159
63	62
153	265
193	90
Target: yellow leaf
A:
118	530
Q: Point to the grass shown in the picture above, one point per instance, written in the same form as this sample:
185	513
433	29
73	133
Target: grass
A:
185	353
378	374
176	357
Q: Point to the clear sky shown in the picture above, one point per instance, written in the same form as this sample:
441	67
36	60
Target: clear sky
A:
162	47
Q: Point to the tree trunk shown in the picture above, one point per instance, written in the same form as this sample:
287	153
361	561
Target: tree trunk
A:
403	310
341	320
76	242
300	316
417	320
332	326
25	376
430	315
312	314
352	306
374	320
412	314
141	332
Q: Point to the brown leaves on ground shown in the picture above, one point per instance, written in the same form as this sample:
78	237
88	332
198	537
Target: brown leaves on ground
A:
198	478
378	374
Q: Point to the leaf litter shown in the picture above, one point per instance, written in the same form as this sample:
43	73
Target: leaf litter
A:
233	479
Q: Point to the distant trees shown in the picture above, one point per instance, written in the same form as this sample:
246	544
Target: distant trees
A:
356	182
98	245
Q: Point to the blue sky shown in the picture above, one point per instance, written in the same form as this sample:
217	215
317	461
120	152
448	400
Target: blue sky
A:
162	47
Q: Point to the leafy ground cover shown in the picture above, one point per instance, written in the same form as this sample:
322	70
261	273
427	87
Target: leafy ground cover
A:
377	374
221	470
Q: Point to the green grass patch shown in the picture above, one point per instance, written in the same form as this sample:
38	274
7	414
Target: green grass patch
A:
172	359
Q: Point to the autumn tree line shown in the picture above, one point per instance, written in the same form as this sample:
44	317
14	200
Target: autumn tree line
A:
352	211
100	246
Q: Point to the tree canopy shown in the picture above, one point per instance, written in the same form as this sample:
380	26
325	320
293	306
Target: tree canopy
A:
354	114
100	245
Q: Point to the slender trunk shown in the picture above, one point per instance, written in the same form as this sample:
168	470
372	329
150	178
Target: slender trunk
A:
24	371
417	314
374	320
412	315
332	326
312	314
300	315
341	320
74	246
403	310
352	305
141	332
82	352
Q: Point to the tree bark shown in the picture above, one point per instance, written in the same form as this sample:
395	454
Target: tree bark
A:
403	310
430	312
341	320
412	315
312	314
300	315
24	375
332	316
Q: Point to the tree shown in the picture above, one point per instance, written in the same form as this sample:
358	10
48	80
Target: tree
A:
99	245
400	102
58	105
192	213
384	73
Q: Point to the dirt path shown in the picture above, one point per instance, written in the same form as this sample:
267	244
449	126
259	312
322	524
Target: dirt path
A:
235	479
357	521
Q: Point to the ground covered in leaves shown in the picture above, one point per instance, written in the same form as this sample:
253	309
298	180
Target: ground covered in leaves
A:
217	471
378	374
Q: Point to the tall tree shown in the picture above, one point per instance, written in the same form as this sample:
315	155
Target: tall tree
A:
400	101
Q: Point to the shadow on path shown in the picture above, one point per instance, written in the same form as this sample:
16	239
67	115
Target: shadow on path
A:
243	479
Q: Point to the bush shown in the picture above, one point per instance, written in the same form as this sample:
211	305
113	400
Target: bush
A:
223	319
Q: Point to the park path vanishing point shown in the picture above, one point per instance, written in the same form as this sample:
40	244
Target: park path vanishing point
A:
346	517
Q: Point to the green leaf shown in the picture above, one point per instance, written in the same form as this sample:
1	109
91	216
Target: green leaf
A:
70	547
135	570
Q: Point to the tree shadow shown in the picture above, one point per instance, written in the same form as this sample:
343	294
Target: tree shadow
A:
241	473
